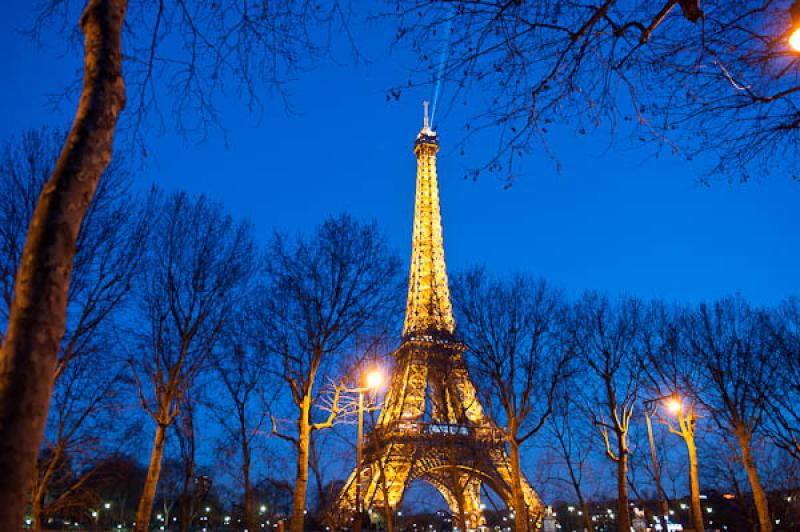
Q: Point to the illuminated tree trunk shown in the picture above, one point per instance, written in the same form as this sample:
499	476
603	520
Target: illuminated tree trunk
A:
145	511
759	497
694	482
301	476
37	316
520	508
623	508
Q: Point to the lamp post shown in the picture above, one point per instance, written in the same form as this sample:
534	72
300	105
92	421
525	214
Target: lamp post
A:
373	381
662	500
687	417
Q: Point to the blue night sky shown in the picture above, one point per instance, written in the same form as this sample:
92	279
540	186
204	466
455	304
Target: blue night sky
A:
615	218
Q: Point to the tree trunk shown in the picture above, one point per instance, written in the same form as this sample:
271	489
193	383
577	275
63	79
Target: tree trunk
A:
694	485
37	498
37	316
145	511
759	497
520	508
301	476
315	469
587	514
389	519
249	516
623	507
185	509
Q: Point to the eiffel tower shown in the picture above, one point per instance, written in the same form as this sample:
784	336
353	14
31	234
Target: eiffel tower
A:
432	426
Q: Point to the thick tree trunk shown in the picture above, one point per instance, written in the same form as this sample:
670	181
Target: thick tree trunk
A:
759	497
37	316
520	508
694	485
145	511
301	475
623	507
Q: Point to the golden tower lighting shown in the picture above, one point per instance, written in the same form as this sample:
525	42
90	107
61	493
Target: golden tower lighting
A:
432	427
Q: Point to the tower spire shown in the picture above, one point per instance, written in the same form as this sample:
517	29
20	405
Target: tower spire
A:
428	309
425	126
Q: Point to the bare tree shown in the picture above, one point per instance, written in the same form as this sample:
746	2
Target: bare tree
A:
321	293
198	266
676	382
784	417
81	432
192	490
573	444
242	369
604	336
517	354
729	340
108	253
250	44
691	76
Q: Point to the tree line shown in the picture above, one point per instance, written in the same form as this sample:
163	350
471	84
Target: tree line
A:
182	326
709	69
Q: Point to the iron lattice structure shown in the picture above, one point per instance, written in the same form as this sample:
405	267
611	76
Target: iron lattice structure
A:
432	426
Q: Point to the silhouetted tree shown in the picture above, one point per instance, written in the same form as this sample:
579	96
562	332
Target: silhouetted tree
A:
729	340
108	253
198	265
784	416
691	76
518	356
604	336
569	437
243	412
672	374
321	292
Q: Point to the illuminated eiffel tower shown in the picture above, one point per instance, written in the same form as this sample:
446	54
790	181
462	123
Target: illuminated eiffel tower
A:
432	426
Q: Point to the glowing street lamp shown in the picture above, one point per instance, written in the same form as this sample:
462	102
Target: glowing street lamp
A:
674	405
794	36
373	380
662	500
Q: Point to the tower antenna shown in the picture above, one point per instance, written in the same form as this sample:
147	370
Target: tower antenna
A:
425	120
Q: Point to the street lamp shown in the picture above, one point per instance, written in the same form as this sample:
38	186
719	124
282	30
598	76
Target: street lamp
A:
794	36
373	380
673	403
